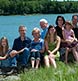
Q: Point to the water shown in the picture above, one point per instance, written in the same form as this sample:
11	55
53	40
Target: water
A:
9	24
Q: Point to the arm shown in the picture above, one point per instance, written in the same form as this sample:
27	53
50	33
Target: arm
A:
14	52
46	47
57	46
3	58
42	46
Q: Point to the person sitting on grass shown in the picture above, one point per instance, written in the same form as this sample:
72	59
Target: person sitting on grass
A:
37	47
7	56
52	44
70	41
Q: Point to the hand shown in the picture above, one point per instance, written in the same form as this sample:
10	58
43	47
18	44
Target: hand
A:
13	53
49	51
51	55
34	50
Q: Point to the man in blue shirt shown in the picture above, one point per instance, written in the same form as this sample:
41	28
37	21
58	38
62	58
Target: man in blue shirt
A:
22	42
44	26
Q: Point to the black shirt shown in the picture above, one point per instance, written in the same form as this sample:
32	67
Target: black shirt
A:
59	32
19	44
76	32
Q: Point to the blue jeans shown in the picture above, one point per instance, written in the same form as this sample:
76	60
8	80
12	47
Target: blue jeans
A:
35	55
9	62
24	57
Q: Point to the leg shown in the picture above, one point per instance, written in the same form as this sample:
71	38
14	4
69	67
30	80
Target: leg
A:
75	53
52	60
13	62
37	56
66	55
33	59
25	56
46	60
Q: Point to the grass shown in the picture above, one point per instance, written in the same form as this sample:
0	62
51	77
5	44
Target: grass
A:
62	73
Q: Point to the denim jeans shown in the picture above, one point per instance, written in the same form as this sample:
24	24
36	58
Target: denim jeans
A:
9	62
24	57
35	55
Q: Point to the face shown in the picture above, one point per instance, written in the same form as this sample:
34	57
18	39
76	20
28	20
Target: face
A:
36	34
68	27
52	30
75	19
60	21
22	31
3	43
43	25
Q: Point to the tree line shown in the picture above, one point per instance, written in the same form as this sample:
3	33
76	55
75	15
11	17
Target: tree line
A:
22	7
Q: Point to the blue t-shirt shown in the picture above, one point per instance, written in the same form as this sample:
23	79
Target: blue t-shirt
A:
37	45
43	33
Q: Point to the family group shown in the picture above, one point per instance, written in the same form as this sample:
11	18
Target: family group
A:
45	47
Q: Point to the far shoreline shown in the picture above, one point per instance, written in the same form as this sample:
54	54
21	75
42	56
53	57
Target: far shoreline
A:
35	14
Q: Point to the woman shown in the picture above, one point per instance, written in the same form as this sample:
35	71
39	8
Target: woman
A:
52	44
37	47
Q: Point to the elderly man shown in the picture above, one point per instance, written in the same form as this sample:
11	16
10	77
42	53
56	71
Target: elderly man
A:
44	26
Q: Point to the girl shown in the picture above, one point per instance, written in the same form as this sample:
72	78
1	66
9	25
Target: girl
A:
37	47
52	44
71	41
6	54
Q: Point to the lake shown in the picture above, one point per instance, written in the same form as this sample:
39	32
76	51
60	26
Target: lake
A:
9	24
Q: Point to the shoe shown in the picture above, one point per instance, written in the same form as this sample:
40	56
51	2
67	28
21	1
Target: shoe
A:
12	71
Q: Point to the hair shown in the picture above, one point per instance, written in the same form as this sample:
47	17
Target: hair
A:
69	23
58	18
22	26
73	17
1	47
36	29
43	20
47	37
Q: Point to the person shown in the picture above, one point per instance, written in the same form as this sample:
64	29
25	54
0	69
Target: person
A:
60	21
37	47
5	59
22	43
52	44
71	41
75	25
44	27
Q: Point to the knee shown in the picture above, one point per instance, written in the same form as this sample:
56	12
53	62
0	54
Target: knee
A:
67	49
26	49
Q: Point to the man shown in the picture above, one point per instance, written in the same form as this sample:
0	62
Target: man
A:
75	25
22	43
44	26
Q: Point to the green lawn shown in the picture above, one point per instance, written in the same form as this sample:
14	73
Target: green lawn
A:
62	73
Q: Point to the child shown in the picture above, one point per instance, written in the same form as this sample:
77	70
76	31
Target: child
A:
52	44
71	41
37	47
4	53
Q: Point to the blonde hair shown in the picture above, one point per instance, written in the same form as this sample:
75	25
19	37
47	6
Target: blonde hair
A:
36	30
